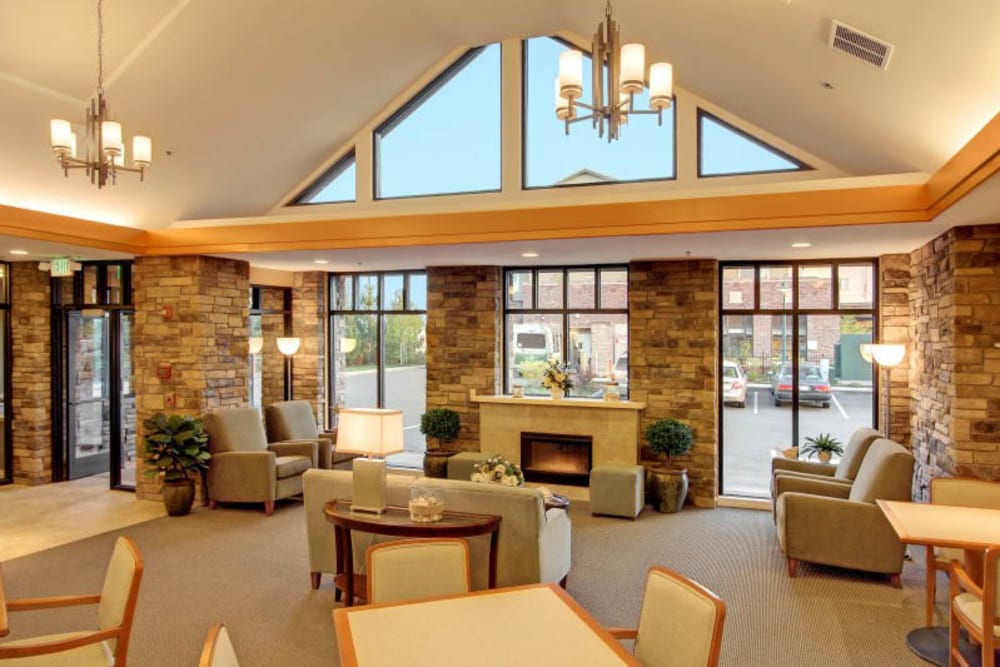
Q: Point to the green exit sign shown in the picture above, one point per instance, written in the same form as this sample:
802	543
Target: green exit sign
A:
59	268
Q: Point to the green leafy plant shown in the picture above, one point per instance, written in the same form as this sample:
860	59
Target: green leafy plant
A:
668	438
440	423
824	442
175	444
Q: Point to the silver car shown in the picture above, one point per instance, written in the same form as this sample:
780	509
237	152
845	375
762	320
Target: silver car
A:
734	384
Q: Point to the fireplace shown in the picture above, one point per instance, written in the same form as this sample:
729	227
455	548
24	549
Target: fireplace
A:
556	458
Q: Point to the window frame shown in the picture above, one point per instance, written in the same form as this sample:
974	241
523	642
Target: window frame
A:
701	114
340	165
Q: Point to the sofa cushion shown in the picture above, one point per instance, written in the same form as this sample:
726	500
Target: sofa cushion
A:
886	473
289	466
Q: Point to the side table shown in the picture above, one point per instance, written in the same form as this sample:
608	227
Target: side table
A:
396	521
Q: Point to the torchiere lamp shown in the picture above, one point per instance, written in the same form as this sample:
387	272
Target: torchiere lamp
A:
288	347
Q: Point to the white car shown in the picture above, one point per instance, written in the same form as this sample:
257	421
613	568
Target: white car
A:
734	384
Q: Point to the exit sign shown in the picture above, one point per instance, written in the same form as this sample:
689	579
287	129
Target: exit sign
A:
59	268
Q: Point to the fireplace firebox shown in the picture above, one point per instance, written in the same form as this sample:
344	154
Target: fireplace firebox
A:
556	458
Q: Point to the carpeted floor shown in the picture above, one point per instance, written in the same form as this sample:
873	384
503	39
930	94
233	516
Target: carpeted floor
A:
250	571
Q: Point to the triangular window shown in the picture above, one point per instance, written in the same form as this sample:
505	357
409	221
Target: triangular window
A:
446	140
643	152
336	185
725	150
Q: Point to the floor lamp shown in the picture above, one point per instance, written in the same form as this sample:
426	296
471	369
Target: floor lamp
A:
288	347
886	355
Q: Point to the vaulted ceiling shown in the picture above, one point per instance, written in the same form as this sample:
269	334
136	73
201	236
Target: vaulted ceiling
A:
251	97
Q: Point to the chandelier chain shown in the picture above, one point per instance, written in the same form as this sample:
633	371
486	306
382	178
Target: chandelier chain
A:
100	47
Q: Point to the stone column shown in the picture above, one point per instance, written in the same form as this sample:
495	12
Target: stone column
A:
894	323
463	342
272	362
309	311
204	341
31	373
673	351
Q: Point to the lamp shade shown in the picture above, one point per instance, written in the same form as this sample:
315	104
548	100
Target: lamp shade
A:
289	346
866	352
256	344
61	134
571	73
142	150
888	354
111	137
371	431
661	85
633	68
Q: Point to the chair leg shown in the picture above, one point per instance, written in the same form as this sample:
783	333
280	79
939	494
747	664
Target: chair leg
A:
793	567
212	505
268	507
895	581
931	586
562	582
314	578
953	630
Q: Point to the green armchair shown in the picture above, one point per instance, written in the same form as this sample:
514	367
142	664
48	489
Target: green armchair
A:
289	421
244	468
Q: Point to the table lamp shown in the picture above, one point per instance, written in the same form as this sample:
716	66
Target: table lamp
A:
374	433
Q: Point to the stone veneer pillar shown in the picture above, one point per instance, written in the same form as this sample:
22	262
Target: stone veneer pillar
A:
205	342
894	325
309	311
673	351
955	376
31	373
463	342
272	327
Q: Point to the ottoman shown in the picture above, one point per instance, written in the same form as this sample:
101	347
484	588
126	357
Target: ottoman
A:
460	465
617	489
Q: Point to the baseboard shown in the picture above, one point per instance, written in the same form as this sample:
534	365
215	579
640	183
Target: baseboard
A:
760	504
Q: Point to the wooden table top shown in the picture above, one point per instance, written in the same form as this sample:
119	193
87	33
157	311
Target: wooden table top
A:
538	624
943	525
397	521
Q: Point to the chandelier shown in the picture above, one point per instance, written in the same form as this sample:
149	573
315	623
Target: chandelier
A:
104	156
614	91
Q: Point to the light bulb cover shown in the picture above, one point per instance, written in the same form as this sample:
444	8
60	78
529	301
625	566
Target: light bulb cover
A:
661	85
111	137
888	354
289	345
62	135
142	150
633	68
571	73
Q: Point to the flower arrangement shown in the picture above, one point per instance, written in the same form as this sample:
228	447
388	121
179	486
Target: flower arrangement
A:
556	375
498	470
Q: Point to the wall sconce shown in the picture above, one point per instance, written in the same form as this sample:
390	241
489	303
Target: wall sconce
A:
288	346
256	344
347	345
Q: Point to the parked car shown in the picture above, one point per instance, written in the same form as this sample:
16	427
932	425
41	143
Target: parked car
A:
812	385
734	384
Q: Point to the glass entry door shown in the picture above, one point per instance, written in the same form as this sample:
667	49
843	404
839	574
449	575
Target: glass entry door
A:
99	413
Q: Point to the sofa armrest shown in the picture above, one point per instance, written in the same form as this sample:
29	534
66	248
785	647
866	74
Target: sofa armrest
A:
839	532
555	546
242	477
797	465
307	448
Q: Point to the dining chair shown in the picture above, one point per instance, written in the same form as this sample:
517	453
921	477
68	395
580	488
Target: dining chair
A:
975	608
408	569
680	624
963	492
115	610
218	650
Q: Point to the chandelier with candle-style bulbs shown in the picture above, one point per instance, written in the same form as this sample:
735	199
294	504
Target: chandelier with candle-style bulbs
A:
619	72
104	150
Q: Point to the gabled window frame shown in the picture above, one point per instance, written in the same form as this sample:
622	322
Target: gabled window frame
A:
413	104
524	133
702	114
342	164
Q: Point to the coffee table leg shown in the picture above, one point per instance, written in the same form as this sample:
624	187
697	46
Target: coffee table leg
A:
337	540
348	551
493	557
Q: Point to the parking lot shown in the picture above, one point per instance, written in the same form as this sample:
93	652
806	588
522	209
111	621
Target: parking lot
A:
749	434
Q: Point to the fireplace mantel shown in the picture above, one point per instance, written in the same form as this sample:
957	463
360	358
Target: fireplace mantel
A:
613	425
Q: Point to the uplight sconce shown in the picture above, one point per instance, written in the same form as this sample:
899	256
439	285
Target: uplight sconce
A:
288	346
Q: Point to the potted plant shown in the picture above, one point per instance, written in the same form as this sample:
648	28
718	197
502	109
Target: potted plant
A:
824	446
668	486
442	425
175	446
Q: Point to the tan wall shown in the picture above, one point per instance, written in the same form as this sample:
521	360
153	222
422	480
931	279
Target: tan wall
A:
205	342
31	373
673	351
463	342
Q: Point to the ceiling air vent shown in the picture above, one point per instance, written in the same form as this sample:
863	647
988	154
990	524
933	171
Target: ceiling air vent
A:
860	45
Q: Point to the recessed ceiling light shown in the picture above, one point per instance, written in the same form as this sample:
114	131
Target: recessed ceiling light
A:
529	254
19	252
802	244
321	261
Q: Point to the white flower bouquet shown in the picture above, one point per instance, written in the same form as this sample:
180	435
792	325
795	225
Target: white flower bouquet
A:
556	375
498	470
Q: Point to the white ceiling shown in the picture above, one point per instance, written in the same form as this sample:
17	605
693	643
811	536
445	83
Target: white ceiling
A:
253	96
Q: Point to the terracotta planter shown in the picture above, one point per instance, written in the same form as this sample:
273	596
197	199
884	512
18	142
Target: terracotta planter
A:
178	497
825	456
668	489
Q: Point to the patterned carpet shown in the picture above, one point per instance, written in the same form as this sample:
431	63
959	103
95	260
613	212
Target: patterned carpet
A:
250	571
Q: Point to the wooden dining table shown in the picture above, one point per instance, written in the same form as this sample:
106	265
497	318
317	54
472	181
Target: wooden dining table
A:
972	529
537	624
4	628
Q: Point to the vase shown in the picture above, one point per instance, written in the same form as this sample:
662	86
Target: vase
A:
178	497
557	393
669	489
825	456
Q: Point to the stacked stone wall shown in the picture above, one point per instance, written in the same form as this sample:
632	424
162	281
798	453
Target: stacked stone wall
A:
673	349
272	326
463	342
309	311
894	323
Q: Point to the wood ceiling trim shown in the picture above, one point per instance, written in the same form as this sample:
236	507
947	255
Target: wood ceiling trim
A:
41	226
976	161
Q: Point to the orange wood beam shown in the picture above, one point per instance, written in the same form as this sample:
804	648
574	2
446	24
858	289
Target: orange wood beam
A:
25	223
976	161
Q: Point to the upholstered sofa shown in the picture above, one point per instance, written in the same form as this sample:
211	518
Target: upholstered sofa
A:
822	521
533	544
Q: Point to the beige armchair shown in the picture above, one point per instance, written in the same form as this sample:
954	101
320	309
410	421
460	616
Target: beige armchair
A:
244	468
826	522
963	493
843	472
288	421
